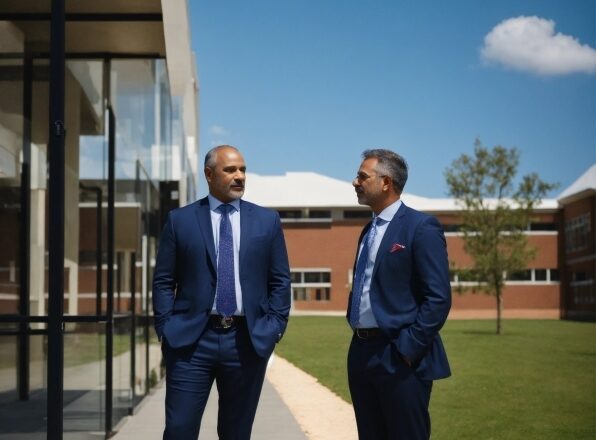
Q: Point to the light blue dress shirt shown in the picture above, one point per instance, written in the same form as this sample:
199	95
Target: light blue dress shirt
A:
367	317
235	222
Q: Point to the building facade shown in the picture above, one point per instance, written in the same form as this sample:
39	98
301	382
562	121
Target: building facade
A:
98	138
578	247
322	222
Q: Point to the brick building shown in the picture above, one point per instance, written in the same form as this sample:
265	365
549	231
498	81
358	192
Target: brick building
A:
322	221
578	247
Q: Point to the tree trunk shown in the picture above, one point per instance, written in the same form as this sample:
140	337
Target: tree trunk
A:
499	309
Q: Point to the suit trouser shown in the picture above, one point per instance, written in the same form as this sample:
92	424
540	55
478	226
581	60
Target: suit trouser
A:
390	401
226	356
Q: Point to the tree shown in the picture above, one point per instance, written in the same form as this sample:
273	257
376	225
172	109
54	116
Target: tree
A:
496	214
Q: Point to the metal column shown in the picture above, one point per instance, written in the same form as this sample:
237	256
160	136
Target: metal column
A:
56	223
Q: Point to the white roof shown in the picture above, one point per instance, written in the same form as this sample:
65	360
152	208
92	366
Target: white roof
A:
585	182
296	190
312	190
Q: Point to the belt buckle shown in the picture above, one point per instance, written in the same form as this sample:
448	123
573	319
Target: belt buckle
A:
226	321
361	333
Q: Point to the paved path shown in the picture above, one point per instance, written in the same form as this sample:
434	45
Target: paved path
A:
273	419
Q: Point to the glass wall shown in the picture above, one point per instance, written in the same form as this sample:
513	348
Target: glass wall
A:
11	151
142	107
23	207
138	94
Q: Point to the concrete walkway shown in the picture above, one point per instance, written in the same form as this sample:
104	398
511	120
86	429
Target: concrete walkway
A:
273	419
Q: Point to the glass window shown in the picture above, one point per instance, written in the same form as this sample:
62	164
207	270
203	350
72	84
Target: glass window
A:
312	277
554	274
583	292
12	127
467	275
540	274
577	233
319	214
295	213
299	294
311	285
543	227
322	294
451	228
522	275
357	214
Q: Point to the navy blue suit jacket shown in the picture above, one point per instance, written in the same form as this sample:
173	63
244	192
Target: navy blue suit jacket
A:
186	273
410	290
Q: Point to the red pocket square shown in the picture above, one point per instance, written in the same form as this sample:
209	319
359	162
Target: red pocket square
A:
396	247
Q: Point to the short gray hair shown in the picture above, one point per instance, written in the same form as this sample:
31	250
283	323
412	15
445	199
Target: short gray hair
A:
390	164
210	156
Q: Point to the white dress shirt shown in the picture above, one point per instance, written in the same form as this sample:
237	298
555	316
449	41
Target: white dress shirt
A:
235	222
367	317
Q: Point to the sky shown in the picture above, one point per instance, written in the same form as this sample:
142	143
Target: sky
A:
307	85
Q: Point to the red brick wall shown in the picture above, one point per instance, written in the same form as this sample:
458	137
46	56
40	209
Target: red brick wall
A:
326	245
333	246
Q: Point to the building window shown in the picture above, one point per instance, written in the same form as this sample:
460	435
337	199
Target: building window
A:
522	275
311	284
577	233
357	214
317	213
290	213
582	289
528	276
317	277
451	228
539	274
543	227
553	275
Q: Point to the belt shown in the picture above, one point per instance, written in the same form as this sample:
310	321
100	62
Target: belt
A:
369	333
219	321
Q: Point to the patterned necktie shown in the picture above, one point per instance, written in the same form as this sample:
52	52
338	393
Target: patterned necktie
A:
358	284
226	284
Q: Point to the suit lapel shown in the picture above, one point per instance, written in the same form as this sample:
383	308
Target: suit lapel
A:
362	235
392	229
246	214
204	219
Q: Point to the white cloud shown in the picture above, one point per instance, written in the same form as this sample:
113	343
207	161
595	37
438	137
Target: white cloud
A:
218	130
530	44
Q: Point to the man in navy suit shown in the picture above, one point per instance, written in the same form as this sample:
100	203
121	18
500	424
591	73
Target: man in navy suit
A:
221	299
400	299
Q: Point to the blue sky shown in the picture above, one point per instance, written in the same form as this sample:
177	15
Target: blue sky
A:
307	85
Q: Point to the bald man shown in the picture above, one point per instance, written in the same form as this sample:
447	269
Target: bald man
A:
221	299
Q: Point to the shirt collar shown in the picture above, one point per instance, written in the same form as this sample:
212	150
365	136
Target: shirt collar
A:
214	203
389	212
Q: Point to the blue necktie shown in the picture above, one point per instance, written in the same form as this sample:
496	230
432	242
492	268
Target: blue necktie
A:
226	284
358	284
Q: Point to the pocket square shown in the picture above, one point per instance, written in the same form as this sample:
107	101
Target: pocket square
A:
396	247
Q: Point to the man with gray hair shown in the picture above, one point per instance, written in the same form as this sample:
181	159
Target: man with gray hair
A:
400	299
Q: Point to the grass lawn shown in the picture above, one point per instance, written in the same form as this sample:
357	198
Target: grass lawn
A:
79	348
535	381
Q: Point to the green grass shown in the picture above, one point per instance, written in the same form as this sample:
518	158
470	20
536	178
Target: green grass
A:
535	381
79	348
82	348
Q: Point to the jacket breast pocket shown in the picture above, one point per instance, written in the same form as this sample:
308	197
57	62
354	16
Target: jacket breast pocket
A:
398	261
